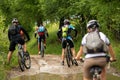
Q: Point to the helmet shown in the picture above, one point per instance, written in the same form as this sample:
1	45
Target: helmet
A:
92	24
14	20
66	21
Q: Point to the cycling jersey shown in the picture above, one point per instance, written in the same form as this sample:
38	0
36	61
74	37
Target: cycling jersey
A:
41	30
103	37
65	31
17	35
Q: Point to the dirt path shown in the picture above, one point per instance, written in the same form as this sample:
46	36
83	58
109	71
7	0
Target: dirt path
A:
50	64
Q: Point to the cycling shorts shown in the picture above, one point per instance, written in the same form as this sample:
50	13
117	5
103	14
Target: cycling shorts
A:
41	37
14	42
89	62
64	43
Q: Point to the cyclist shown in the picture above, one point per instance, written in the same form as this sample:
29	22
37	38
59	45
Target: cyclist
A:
98	58
14	36
42	33
64	35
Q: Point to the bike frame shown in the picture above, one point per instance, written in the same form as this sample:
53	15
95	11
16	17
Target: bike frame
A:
21	57
42	48
96	72
68	55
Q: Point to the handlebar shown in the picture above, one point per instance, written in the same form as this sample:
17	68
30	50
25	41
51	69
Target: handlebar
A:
82	60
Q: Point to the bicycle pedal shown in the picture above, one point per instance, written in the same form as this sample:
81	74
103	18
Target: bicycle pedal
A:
75	62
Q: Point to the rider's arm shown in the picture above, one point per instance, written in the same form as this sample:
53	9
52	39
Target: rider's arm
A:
59	33
25	33
9	36
73	28
80	52
106	40
46	32
75	32
111	52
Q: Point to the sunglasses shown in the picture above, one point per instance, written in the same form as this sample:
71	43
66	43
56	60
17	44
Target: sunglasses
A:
15	22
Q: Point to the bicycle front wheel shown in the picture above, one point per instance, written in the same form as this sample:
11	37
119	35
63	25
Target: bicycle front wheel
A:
27	60
21	61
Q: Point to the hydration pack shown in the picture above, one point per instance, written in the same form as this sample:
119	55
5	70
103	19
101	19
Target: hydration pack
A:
14	30
94	44
41	30
64	31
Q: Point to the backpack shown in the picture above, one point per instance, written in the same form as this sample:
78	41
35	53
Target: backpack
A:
13	30
41	30
64	31
94	44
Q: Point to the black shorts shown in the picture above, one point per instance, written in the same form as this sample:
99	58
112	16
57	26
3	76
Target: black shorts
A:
14	42
64	43
40	38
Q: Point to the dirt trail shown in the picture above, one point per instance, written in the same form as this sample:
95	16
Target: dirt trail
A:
50	64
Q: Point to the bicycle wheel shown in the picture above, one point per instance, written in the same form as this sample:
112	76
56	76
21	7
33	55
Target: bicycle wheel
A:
21	61
27	60
42	49
71	57
68	57
67	60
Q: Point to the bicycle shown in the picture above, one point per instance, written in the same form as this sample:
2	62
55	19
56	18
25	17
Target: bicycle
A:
42	48
24	60
96	70
69	56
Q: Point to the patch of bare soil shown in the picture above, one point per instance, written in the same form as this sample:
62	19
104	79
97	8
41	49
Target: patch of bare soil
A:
51	64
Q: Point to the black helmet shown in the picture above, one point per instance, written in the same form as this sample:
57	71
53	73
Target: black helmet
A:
66	21
14	20
92	24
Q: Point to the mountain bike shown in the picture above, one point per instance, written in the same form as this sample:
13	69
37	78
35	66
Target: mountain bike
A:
96	70
69	56
42	48
24	60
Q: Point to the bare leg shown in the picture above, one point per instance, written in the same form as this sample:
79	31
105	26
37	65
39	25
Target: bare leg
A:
9	56
84	78
38	47
73	52
103	74
24	47
63	50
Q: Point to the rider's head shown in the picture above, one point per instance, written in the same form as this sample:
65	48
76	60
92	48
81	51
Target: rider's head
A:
92	25
15	21
66	22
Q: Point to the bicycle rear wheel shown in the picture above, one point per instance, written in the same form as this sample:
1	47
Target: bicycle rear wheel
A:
27	60
42	49
21	61
69	58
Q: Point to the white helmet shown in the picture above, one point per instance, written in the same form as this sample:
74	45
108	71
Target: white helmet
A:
92	23
14	20
66	21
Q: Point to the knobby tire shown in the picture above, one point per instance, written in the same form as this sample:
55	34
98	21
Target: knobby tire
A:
20	61
27	61
42	49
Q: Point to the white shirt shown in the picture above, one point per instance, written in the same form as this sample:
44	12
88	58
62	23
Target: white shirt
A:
103	37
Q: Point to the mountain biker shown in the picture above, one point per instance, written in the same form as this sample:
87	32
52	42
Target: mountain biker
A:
93	58
15	33
64	35
42	33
